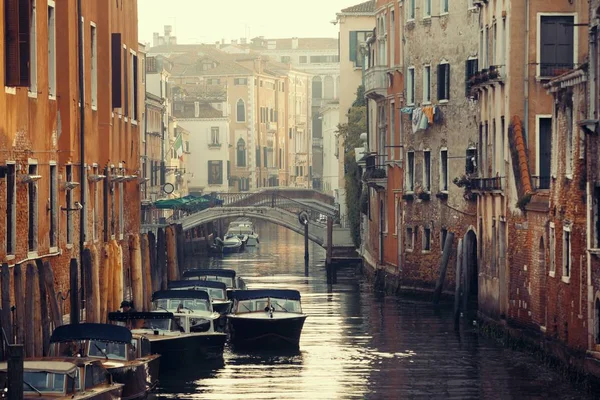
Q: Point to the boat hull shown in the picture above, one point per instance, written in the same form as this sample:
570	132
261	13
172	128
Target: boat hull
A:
139	377
252	241
266	332
179	351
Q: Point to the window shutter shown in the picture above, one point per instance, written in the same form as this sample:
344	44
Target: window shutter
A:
116	72
126	81
210	181
447	81
440	82
353	44
135	88
16	36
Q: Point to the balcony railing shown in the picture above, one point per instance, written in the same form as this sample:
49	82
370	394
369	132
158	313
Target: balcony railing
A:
485	76
376	81
554	70
487	184
540	182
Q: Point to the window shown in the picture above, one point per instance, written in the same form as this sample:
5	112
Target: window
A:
411	9
410	239
357	39
443	80
51	52
444	170
53	206
393	129
134	84
426	239
410	179
427	84
392	60
240	81
241	111
566	251
410	86
328	88
445	6
286	59
552	249
97	204
69	204
443	236
544	152
471	161
126	82
569	142
116	79
94	65
426	8
427	171
33	209
241	153
215	172
17	51
265	158
214	81
214	135
33	50
323	59
556	44
302	59
11	209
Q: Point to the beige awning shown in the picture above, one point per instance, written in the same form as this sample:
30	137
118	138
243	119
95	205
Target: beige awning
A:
56	367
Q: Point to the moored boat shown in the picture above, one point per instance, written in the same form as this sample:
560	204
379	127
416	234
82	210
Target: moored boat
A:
171	337
244	228
193	303
269	318
64	378
227	276
125	356
229	244
217	291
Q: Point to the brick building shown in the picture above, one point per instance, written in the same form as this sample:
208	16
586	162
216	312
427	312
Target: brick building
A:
42	182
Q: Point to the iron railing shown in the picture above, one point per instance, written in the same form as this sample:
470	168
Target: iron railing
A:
487	184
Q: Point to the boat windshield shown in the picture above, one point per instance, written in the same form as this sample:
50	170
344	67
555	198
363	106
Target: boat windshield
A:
255	305
157	324
182	305
225	279
112	351
43	382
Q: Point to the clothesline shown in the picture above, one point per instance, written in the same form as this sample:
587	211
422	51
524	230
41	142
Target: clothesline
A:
422	117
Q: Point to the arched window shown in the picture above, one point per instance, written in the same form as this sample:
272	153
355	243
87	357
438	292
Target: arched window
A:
241	153
317	88
328	88
241	111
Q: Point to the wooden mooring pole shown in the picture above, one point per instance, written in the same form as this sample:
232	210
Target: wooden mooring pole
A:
443	267
20	302
16	357
5	317
44	318
30	326
73	283
457	283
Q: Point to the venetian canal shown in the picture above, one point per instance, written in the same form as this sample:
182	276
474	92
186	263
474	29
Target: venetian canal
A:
356	344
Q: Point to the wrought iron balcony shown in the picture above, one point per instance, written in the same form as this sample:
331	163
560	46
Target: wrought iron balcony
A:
495	74
376	177
487	184
376	82
550	71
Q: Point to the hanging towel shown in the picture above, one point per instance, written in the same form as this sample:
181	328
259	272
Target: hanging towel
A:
406	110
416	119
424	122
428	111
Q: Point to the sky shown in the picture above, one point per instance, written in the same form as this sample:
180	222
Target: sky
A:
206	21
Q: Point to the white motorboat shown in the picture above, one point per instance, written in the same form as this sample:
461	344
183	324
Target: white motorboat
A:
244	228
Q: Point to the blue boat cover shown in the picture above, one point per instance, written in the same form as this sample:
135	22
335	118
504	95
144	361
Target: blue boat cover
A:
180	294
262	293
126	316
197	283
210	272
90	331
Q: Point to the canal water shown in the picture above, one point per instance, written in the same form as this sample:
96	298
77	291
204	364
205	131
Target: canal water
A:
358	345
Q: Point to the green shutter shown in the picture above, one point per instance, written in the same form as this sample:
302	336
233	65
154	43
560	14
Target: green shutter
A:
353	45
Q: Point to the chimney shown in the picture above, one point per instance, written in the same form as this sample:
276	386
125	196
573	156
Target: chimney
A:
155	39
294	43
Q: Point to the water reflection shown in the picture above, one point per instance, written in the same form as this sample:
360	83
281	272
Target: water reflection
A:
359	345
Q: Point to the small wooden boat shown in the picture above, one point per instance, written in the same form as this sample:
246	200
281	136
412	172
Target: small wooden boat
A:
170	336
270	318
227	276
217	291
124	355
64	378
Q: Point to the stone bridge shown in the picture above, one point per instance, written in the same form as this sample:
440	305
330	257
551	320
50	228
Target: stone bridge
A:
278	206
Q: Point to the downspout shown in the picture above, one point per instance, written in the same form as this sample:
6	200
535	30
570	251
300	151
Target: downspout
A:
526	78
82	193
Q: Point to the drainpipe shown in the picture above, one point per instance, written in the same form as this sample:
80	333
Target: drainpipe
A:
526	80
82	193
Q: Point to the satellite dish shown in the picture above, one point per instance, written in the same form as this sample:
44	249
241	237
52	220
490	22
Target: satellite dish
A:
168	188
303	218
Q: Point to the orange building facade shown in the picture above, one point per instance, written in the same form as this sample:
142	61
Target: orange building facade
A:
42	190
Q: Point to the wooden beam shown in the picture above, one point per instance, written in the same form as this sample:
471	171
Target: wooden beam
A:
45	320
74	287
20	304
5	316
29	312
57	317
443	267
88	279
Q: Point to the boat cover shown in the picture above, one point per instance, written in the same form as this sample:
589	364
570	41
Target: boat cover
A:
126	316
210	272
180	294
263	293
197	283
90	331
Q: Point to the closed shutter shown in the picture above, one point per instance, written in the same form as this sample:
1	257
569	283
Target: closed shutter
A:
17	20
135	88
116	72
556	45
126	81
440	82
353	45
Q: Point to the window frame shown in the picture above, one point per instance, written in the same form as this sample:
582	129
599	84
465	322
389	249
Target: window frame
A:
411	11
427	4
11	209
237	111
94	66
410	86
444	7
426	84
410	167
426	240
51	37
567	255
540	15
427	173
444	67
552	249
410	239
444	184
33	75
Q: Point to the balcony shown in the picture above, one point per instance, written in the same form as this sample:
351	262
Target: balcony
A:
214	145
376	82
550	71
487	184
376	178
317	142
485	77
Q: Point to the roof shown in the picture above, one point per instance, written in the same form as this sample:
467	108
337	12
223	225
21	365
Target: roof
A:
180	294
362	8
262	293
190	273
126	316
197	283
190	202
56	367
90	331
303	44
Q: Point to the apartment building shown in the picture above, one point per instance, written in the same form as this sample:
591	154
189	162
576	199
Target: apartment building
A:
58	198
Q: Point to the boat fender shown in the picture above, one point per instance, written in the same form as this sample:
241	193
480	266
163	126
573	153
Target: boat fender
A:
156	333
